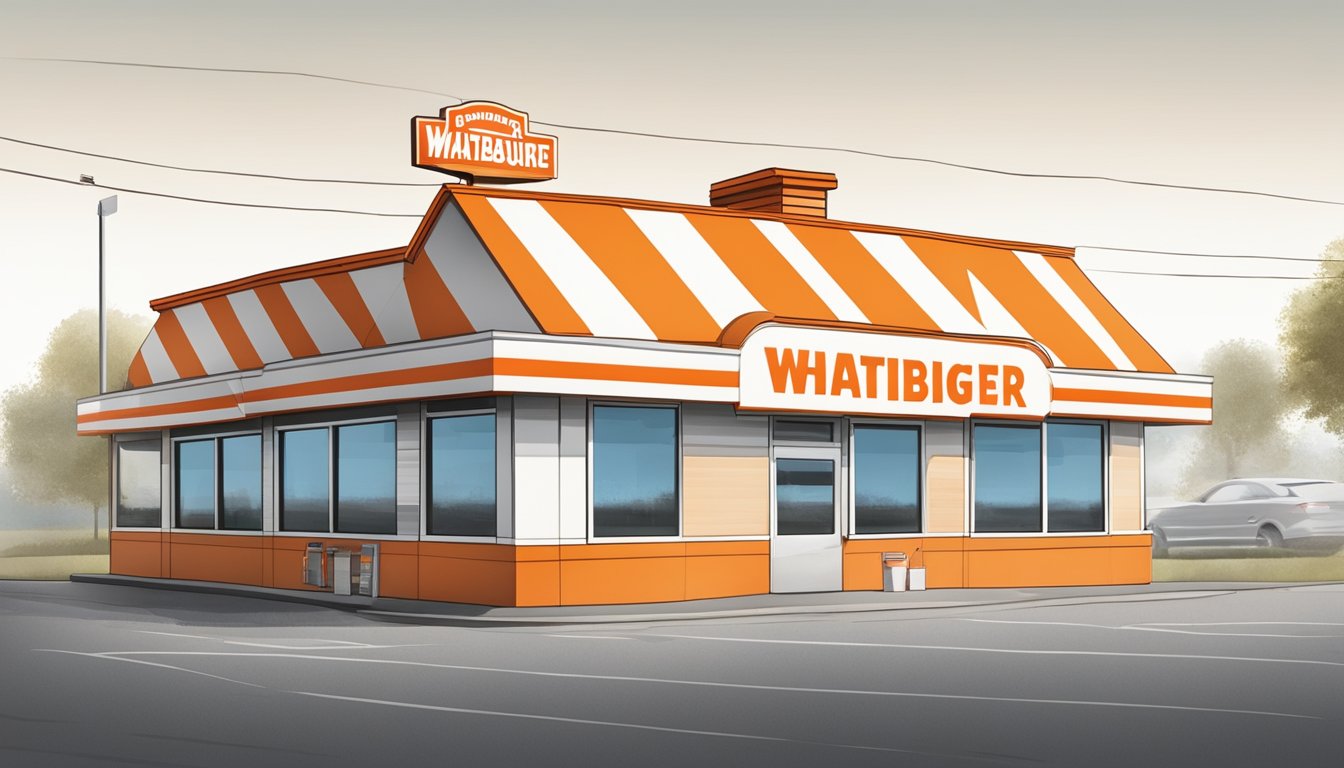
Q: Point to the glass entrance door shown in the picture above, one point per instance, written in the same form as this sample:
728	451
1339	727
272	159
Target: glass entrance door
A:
805	547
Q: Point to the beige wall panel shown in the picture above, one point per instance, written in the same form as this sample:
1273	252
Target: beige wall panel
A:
1126	476
725	496
945	477
946	500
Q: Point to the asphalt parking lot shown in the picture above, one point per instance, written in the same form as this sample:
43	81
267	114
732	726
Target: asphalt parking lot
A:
106	675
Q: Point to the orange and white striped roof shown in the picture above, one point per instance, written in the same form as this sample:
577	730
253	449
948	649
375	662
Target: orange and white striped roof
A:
491	259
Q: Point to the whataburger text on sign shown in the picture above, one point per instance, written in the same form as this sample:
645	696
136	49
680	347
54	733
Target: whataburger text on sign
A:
834	371
481	141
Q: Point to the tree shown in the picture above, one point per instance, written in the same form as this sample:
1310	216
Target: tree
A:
48	462
1247	435
1312	336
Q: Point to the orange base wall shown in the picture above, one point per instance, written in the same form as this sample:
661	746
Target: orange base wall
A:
1046	561
594	574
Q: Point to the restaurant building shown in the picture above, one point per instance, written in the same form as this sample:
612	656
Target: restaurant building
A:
556	399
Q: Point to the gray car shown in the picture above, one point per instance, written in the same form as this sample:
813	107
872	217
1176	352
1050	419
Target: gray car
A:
1255	512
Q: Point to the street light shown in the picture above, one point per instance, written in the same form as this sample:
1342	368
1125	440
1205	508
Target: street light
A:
106	207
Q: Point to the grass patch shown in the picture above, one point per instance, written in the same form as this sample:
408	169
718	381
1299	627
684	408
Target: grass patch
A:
51	568
1250	566
42	543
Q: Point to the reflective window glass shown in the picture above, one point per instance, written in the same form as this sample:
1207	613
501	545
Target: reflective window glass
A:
138	480
240	490
305	480
1074	485
886	479
804	496
366	478
804	431
635	471
1007	478
196	484
462	476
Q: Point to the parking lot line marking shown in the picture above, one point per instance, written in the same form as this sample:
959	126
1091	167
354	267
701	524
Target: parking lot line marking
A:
114	657
121	655
1241	624
1147	628
330	645
617	724
1022	651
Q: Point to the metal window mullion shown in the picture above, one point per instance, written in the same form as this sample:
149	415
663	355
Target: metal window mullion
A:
331	478
1045	480
219	482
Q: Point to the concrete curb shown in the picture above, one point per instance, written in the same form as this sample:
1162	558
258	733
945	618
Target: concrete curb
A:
473	615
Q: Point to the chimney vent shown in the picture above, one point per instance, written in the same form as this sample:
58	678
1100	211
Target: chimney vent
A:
775	190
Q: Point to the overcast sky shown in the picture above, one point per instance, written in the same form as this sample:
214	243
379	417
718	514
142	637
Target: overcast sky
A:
1230	94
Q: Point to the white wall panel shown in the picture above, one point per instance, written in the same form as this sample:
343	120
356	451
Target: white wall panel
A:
536	468
574	468
408	469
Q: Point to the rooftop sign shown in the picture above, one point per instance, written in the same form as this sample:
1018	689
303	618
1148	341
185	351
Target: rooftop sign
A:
830	371
481	141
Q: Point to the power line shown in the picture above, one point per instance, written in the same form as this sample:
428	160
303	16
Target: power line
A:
1218	276
231	203
354	212
216	171
732	142
1197	254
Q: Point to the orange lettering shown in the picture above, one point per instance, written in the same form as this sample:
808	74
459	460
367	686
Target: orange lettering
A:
988	384
893	378
959	381
1012	386
846	376
937	381
870	366
916	383
790	369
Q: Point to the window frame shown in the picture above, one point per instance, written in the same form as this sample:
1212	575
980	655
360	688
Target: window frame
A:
679	468
426	416
330	427
1042	427
215	439
138	437
851	523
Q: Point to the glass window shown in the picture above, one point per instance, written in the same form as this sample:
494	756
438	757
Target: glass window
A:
196	484
1074	485
462	476
139	504
886	479
305	480
635	471
366	478
805	431
1007	482
240	478
804	496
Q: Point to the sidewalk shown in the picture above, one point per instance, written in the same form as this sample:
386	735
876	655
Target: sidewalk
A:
816	603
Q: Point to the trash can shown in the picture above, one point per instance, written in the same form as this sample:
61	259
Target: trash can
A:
314	569
893	571
916	579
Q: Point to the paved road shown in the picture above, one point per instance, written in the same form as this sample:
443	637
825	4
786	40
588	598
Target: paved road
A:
100	675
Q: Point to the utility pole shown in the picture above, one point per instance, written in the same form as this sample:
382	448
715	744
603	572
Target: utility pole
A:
106	207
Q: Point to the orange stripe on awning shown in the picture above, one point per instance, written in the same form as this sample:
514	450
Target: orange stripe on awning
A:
1136	348
138	375
881	298
434	309
765	273
548	306
444	372
1130	398
341	291
286	321
231	332
1013	285
655	291
178	346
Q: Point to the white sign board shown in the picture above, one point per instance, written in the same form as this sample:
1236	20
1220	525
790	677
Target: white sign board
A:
789	368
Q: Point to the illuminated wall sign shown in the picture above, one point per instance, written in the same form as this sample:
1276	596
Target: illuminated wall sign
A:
832	371
481	141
